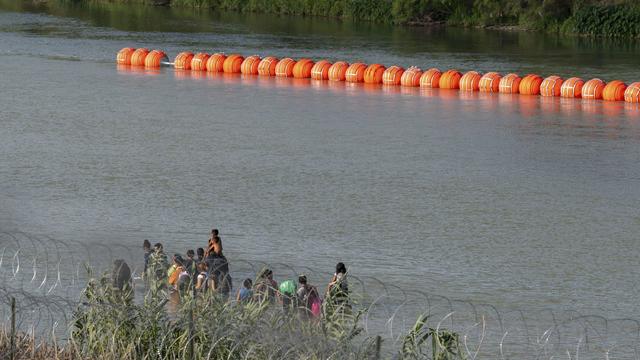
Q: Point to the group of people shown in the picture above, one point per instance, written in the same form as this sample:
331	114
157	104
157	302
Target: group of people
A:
208	271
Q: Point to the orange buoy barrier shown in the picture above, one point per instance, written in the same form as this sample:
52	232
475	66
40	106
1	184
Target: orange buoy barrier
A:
450	79
232	64
355	73
470	81
393	75
199	61
411	77
632	94
530	85
593	89
572	88
124	56
138	57
267	66
551	86
338	71
284	67
250	65
490	82
302	68
614	91
183	60
430	79
510	84
216	62
320	70
373	74
155	58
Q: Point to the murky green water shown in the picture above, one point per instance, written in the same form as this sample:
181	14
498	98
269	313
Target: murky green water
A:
520	202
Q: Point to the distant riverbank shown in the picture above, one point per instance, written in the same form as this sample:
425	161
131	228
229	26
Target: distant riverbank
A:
608	18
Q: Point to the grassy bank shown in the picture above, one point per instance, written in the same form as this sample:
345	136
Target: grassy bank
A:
611	18
108	324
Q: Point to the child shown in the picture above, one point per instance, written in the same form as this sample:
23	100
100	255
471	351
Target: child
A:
245	293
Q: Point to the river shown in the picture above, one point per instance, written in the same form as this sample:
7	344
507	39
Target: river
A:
520	202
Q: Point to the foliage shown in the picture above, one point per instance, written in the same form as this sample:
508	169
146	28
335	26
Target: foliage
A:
111	325
593	17
610	21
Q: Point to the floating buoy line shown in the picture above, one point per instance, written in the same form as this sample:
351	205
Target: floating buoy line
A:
492	82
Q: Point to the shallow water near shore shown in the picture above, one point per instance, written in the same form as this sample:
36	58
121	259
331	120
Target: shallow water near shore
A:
520	202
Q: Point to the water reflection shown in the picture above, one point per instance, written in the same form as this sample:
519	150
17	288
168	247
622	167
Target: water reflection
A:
527	106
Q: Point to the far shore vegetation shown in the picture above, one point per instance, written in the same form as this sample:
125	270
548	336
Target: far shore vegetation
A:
607	18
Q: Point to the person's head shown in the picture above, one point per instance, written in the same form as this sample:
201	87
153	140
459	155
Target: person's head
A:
202	267
146	245
340	268
178	260
190	254
216	240
269	274
200	252
302	279
157	247
214	232
247	283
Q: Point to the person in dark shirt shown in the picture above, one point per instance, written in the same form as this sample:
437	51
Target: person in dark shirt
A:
219	278
146	247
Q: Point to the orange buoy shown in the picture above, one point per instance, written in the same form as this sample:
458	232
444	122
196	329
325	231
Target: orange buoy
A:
450	79
530	85
155	58
302	69
572	88
490	82
614	91
470	81
373	74
199	61
338	71
124	56
632	94
355	73
551	86
431	78
411	77
267	66
393	75
250	65
320	70
216	62
138	57
232	64
183	60
593	89
284	67
510	84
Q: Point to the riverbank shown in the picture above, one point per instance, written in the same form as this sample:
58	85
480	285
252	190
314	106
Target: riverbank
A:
108	324
609	18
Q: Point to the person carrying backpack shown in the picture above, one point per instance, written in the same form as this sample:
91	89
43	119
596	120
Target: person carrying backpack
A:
157	270
308	299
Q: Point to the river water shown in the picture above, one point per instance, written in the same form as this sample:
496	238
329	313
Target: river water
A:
519	202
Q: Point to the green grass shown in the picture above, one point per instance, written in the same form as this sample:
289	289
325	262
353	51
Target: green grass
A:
109	324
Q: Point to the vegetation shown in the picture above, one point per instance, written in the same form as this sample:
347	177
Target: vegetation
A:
110	325
592	17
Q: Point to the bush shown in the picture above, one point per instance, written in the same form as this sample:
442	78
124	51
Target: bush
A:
610	21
